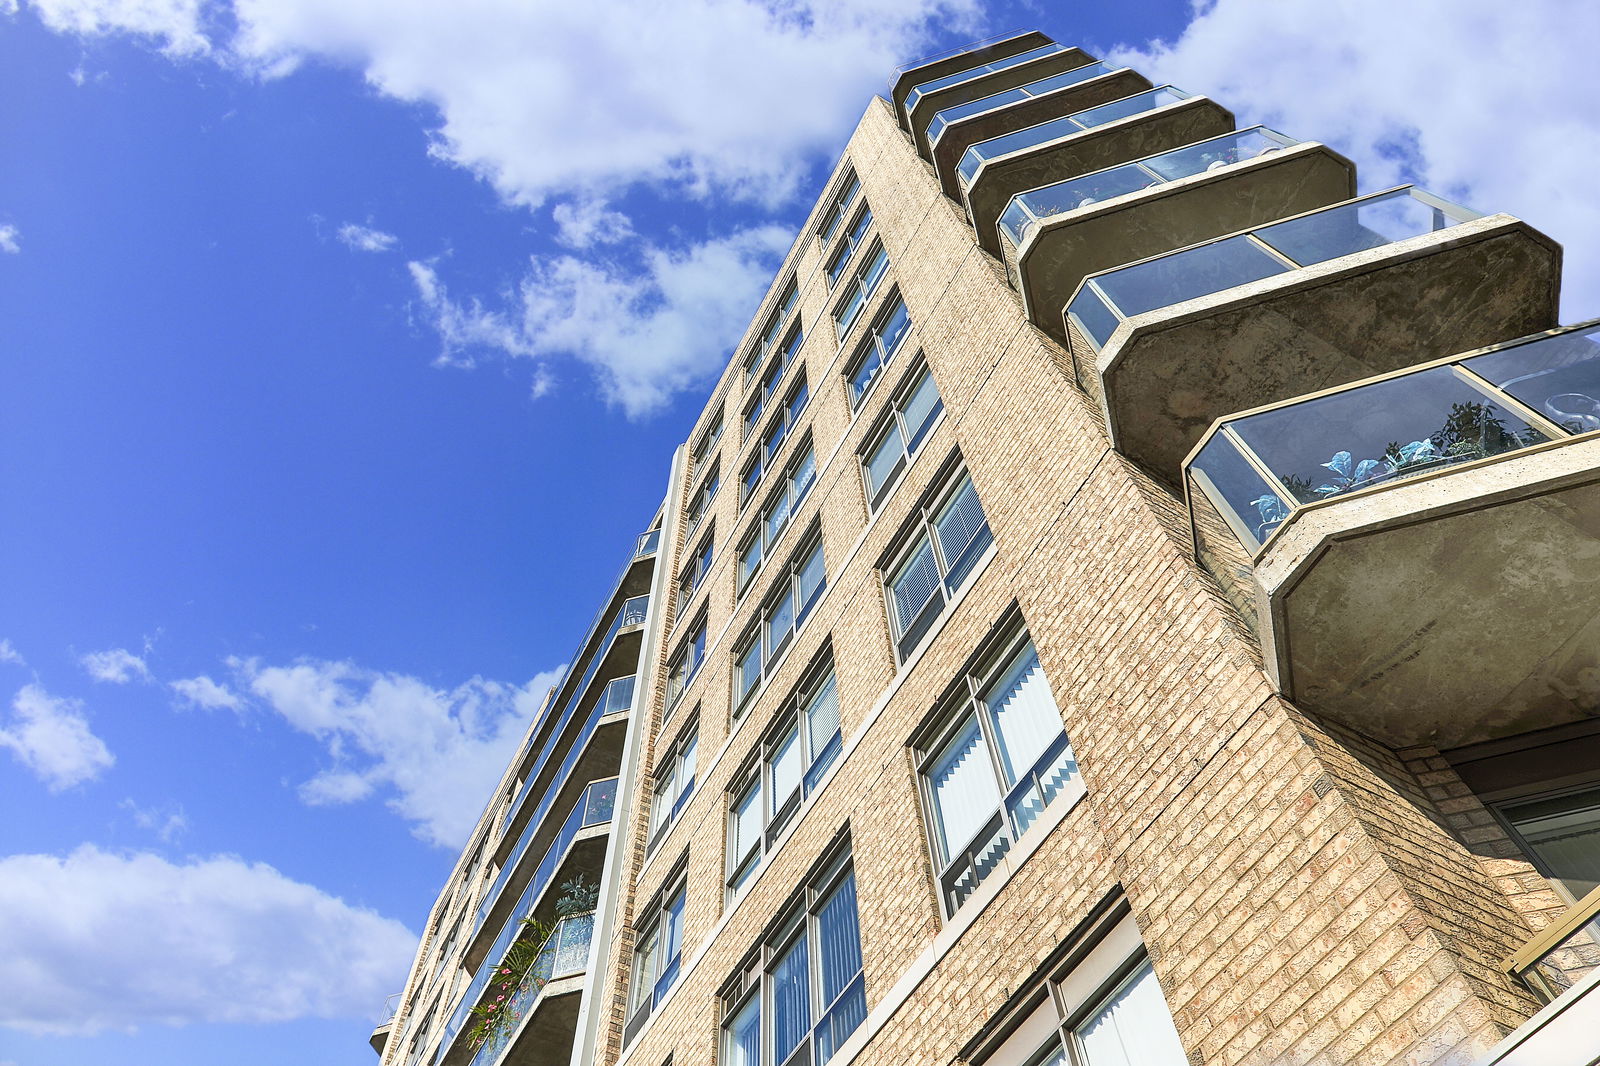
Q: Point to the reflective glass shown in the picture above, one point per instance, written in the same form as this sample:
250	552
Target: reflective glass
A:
1133	1028
810	579
1187	275
884	459
1557	376
1023	713
914	585
1351	228
786	770
791	999
749	668
1218	152
744	1035
1129	105
1095	320
780	621
964	793
920	407
960	76
1258	507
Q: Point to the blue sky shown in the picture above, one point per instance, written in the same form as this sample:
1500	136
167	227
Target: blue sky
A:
321	322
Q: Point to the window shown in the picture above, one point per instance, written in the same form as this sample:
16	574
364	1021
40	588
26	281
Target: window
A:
828	224
951	536
788	602
772	439
686	662
877	348
699	564
805	981
773	330
701	501
1102	1007
674	782
1561	831
774	518
995	759
702	449
800	745
657	955
847	247
888	451
858	289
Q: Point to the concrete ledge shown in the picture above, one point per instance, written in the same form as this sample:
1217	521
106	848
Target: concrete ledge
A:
987	85
911	77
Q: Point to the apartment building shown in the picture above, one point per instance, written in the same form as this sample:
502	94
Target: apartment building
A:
1129	599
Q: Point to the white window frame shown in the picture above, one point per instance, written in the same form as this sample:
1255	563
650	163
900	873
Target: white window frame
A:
857	291
892	423
874	347
761	536
924	532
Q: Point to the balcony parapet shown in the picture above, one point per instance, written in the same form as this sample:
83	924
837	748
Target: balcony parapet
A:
1169	344
1037	112
564	956
955	62
1419	553
926	100
1053	237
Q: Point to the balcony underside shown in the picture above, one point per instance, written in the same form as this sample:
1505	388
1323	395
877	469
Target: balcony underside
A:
988	85
585	856
1164	376
1008	118
546	1038
1126	229
1447	610
1135	137
977	57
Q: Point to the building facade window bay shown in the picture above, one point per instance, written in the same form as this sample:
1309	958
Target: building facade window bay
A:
889	328
910	414
949	538
858	289
674	784
849	244
788	603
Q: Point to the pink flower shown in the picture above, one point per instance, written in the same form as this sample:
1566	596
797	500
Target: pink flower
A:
489	1007
497	999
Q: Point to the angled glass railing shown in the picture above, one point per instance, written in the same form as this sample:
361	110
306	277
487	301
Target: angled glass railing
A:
648	543
1562	954
1065	126
944	119
1106	299
565	954
915	96
1028	210
595	806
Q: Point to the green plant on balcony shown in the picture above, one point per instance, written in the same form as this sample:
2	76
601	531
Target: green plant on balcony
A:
495	1017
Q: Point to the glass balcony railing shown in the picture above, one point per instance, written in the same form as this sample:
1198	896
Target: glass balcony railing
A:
915	96
1257	470
648	543
1065	126
1564	953
632	613
595	806
1027	210
596	796
950	115
1104	300
565	954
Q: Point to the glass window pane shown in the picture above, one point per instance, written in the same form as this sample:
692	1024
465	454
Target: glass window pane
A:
919	408
874	270
786	770
687	760
1133	1028
822	715
963	532
746	823
1557	376
1234	485
791	999
1188	274
847	311
778	517
797	402
661	804
1218	152
805	472
915	583
1355	227
1023	713
1564	831
1093	318
884	459
1129	105
644	973
780	621
811	579
672	928
893	330
749	668
839	940
964	792
744	1035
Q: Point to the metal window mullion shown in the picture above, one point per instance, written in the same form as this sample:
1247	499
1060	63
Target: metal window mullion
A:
1270	250
1528	414
1160	178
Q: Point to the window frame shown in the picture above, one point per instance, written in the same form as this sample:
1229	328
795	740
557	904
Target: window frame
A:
759	535
700	452
893	422
699	504
873	345
786	588
782	423
920	529
699	564
665	971
669	769
844	194
788	299
694	638
858	288
855	236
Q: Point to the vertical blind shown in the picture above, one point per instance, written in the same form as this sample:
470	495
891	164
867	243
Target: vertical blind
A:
1023	713
791	999
964	792
1133	1028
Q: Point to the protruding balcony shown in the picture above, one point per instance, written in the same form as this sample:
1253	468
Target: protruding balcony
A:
1419	553
544	1006
1051	238
380	1034
1172	343
954	65
1069	157
926	100
1022	111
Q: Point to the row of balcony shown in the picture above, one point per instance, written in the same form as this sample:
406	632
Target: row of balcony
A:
1389	452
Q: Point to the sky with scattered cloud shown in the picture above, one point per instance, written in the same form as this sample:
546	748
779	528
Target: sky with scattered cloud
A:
325	318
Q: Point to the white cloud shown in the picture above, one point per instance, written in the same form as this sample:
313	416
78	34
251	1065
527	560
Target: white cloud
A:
434	752
10	239
360	238
98	940
1478	100
203	692
174	24
585	99
584	223
9	654
167	822
117	666
648	335
50	736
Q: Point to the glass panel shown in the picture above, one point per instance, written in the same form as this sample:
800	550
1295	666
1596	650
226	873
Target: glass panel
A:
791	999
752	478
1074	193
778	517
749	668
644	975
749	561
1095	320
1557	376
1015	141
1391	429
1356	227
921	405
963	533
822	716
797	402
619	695
883	460
785	763
845	315
914	584
743	1045
893	329
1564	831
1133	1028
805	473
839	940
1023	713
1186	275
1255	507
661	803
811	579
943	119
686	761
960	76
672	927
780	621
964	792
874	270
1218	152
1129	105
746	823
